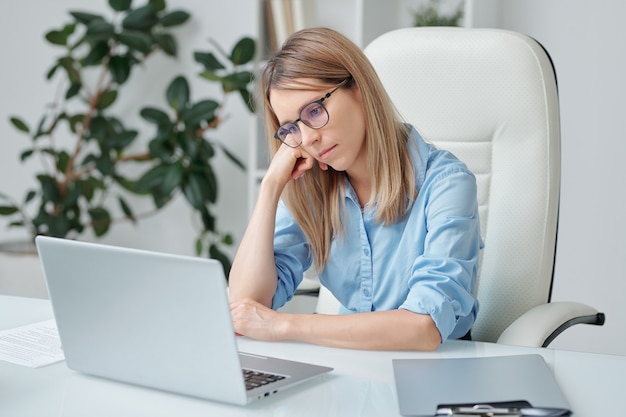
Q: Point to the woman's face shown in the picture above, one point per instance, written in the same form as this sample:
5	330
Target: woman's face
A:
341	142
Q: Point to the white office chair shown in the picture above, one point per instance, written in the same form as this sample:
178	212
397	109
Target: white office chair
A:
490	96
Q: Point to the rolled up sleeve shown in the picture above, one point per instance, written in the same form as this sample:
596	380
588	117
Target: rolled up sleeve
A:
291	255
443	277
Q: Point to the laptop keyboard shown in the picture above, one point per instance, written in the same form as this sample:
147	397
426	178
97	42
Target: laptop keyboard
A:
255	379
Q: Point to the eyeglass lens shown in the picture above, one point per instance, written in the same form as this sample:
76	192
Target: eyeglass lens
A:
314	115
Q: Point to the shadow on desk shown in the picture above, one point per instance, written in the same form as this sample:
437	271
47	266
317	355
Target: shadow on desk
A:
328	395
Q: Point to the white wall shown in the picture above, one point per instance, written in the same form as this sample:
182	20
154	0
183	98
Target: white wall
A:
26	58
587	43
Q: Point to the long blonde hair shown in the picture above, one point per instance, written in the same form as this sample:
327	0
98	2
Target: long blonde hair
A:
316	200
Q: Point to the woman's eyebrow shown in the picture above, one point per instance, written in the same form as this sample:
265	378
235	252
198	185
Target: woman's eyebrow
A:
281	122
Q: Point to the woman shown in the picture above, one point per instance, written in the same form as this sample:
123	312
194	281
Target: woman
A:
390	222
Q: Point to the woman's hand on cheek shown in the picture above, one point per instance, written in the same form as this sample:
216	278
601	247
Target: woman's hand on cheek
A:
289	163
303	164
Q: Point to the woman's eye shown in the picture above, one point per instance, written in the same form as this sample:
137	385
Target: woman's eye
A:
287	129
314	111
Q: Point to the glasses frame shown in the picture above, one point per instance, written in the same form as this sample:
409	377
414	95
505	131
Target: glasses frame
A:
299	119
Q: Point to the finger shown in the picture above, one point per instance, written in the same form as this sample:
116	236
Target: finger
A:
301	167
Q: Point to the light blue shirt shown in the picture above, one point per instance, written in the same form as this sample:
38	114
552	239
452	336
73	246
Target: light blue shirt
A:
426	263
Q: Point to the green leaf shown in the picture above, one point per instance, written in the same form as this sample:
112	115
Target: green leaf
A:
248	99
216	253
69	64
98	127
159	199
62	160
72	90
126	209
122	140
19	124
52	71
201	111
188	144
98	51
159	5
99	30
156	116
87	188
56	37
136	39
100	220
210	187
206	149
143	18
60	37
29	196
173	178
211	76
85	18
167	43
236	81
73	194
208	60
153	178
119	66
8	210
26	154
193	188
243	52
228	240
233	158
105	165
198	246
106	99
160	149
49	188
130	186
120	5
208	220
174	18
177	93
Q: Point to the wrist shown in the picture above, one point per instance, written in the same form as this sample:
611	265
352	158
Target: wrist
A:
271	187
288	326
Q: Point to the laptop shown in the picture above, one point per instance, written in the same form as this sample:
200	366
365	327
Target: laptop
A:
155	320
424	385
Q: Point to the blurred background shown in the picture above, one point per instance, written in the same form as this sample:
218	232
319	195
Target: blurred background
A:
585	40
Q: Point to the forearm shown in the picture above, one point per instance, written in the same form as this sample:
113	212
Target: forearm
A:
253	273
382	330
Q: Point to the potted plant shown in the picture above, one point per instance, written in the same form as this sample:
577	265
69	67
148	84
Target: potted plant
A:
79	183
430	15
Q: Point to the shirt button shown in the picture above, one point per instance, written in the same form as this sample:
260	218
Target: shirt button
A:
366	252
366	293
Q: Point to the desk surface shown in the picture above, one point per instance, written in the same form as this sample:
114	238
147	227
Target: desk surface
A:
361	384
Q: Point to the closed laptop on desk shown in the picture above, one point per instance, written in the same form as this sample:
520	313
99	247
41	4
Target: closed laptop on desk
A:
424	384
155	320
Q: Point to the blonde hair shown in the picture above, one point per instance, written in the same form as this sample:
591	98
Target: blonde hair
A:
316	200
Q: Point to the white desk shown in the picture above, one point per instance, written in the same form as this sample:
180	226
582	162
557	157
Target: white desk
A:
361	384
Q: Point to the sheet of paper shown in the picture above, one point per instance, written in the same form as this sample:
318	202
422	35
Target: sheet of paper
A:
33	345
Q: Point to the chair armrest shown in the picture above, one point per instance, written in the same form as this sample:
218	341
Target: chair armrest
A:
539	326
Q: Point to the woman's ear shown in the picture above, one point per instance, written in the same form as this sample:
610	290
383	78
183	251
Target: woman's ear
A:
323	166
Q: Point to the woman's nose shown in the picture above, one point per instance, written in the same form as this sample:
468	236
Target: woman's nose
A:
309	135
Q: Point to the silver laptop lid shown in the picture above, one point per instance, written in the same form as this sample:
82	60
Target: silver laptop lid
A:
150	319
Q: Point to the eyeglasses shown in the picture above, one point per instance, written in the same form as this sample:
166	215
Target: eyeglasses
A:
314	115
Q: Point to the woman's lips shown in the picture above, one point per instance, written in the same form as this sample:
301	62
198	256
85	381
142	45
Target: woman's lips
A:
326	152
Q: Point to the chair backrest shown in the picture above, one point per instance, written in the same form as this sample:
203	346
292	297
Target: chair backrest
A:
489	96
